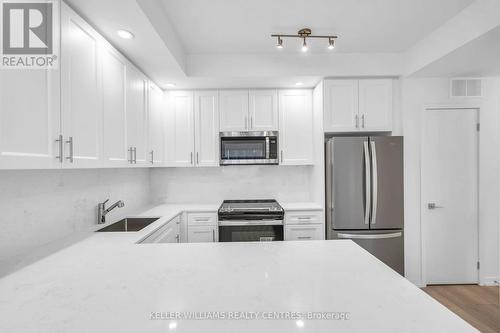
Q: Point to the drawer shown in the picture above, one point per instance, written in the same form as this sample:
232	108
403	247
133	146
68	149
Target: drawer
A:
202	219
304	232
304	217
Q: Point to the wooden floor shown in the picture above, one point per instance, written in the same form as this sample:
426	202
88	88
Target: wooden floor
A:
477	305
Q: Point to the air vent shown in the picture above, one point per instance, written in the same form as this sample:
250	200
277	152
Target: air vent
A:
465	87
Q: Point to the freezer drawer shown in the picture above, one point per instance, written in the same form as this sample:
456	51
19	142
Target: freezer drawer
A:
386	245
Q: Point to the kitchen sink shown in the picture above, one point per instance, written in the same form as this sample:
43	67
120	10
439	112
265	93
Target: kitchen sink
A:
129	224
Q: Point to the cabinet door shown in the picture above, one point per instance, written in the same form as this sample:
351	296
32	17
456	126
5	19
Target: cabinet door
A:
202	234
341	106
137	85
29	119
263	110
301	232
156	125
375	105
170	234
206	112
296	127
81	92
180	129
115	114
234	110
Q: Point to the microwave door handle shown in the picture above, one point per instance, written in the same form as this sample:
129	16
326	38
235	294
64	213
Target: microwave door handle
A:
267	147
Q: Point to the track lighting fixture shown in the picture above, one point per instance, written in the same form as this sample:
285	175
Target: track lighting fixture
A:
304	34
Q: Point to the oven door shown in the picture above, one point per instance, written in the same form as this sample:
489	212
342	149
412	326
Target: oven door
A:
248	148
244	231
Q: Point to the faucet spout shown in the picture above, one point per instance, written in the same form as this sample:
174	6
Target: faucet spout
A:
102	211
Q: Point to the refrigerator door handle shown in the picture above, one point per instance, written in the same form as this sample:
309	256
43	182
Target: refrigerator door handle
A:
374	182
372	236
367	183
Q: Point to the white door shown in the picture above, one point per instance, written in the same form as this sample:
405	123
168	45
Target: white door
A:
29	119
202	234
115	114
156	128
296	127
206	113
81	91
341	106
180	129
449	195
233	110
137	85
375	105
263	110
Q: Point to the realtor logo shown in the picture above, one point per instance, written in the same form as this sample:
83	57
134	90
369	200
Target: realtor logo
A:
29	34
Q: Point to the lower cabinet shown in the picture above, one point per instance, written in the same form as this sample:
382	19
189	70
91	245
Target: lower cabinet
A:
168	233
202	228
304	225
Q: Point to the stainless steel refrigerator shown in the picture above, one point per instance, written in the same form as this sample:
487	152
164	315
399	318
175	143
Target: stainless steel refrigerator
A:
364	195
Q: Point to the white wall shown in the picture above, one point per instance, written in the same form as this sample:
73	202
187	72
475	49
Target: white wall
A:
212	185
44	210
416	94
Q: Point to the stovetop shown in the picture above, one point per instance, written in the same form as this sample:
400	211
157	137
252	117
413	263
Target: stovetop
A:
249	206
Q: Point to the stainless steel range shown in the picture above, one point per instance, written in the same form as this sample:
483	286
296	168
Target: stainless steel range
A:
250	221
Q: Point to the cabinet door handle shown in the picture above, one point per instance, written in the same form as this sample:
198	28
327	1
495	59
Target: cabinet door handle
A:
197	158
152	156
131	155
213	235
135	155
281	153
363	121
177	238
70	142
251	122
60	146
304	237
357	121
191	157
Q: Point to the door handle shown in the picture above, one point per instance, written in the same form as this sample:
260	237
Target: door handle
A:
374	182
135	155
131	155
70	142
368	193
60	144
191	157
363	121
357	121
152	156
198	158
213	235
432	205
374	236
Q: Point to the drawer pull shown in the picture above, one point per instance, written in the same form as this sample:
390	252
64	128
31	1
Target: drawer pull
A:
304	237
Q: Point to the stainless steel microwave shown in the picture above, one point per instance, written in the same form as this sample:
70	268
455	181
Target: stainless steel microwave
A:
237	148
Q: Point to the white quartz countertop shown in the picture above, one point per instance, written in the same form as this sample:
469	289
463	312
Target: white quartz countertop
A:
108	283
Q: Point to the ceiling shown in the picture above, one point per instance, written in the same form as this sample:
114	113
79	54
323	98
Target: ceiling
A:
242	26
227	43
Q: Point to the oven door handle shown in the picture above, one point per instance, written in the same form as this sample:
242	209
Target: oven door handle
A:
249	223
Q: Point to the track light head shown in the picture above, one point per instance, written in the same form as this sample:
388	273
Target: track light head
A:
304	46
279	45
331	43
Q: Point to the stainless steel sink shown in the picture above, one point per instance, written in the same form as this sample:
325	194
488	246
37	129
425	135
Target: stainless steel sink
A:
129	224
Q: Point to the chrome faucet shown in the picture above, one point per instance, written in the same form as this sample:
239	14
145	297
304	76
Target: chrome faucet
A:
102	211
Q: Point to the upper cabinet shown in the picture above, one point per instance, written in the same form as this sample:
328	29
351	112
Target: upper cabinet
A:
137	85
296	127
193	129
206	124
81	93
358	105
263	110
156	123
243	110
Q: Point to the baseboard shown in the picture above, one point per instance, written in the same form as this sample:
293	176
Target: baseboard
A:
490	281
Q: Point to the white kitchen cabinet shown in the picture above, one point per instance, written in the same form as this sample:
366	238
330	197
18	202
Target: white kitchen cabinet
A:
340	105
206	123
263	110
180	129
304	232
202	227
81	93
233	110
29	119
156	127
358	105
114	67
202	234
375	105
137	86
167	233
296	127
